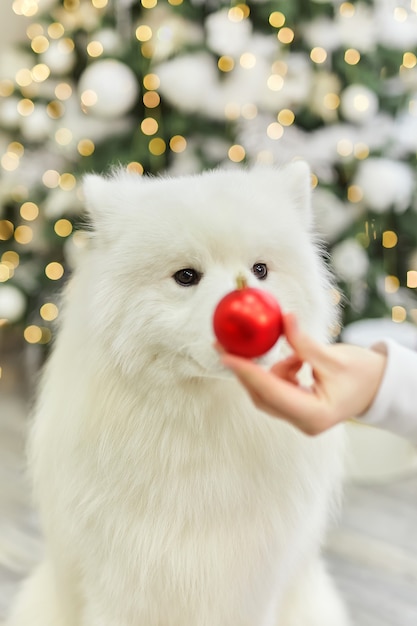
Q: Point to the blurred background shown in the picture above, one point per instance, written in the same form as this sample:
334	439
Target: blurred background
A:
175	86
182	86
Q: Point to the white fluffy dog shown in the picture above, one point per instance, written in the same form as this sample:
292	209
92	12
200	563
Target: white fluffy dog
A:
166	498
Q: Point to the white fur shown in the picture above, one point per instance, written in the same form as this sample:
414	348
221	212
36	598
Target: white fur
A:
166	498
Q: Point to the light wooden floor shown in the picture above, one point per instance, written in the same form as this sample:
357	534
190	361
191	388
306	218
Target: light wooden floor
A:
372	554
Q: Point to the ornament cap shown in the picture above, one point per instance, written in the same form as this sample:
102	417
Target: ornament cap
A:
241	282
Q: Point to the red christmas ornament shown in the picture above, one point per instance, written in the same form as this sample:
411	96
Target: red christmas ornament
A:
248	321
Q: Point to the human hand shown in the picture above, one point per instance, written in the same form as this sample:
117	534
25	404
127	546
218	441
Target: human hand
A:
346	379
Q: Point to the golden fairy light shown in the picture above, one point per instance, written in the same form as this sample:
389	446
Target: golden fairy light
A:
149	126
151	82
236	153
23	234
63	227
89	98
32	334
39	44
51	179
63	91
67	181
56	30
95	49
33	30
277	19
361	151
178	143
352	56
275	131
10	161
389	239
398	314
147	50
275	82
286	117
6	88
149	4
99	4
318	55
331	101
151	99
49	311
236	14
143	33
412	279
134	167
40	72
17	148
23	77
28	8
85	147
63	136
55	109
29	211
286	35
247	60
25	107
175	3
157	146
10	258
6	272
225	64
54	270
6	230
344	147
409	60
354	194
347	9
71	5
392	284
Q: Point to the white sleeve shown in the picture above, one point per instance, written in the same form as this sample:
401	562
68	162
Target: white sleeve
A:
395	405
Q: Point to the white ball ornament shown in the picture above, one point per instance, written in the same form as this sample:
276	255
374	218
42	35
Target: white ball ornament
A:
386	183
358	104
111	87
38	125
12	303
59	57
350	260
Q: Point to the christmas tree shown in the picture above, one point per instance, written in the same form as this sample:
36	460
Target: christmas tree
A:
169	85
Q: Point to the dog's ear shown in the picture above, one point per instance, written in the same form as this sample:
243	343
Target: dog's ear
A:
100	202
298	178
105	202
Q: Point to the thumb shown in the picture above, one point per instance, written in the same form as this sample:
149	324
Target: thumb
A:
306	348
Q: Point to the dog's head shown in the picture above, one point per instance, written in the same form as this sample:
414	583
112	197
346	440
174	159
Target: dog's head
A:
166	250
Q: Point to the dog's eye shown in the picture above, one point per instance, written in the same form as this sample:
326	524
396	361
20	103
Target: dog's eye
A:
260	270
187	277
